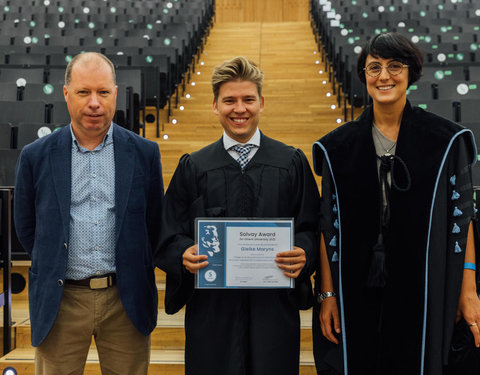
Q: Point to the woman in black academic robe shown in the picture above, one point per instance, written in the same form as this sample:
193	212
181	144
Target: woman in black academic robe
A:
397	252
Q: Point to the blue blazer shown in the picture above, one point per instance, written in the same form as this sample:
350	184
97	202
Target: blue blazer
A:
42	216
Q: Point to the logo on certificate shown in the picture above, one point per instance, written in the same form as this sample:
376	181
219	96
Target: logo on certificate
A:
209	239
210	276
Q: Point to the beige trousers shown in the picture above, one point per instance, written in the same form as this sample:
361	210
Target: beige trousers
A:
84	313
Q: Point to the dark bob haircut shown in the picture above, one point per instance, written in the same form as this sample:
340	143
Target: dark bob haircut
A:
392	46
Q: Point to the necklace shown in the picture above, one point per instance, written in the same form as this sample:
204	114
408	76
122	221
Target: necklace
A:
377	134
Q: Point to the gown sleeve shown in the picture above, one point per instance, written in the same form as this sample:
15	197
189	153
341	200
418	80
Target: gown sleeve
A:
177	235
460	214
328	356
305	207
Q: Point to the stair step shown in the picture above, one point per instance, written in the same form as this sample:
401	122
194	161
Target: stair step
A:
169	333
164	362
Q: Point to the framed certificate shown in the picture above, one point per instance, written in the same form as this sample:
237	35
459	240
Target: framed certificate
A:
241	253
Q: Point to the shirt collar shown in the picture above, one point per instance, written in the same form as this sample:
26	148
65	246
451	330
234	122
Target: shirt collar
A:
228	142
108	139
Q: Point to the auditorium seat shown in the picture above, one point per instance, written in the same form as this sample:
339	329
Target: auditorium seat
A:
56	75
469	111
9	91
175	75
119	60
443	29
27	59
7	50
442	108
8	161
72	40
43	91
59	113
465	37
135	41
421	90
49	50
23	111
474	73
6	40
150	73
122	50
34	75
59	60
457	90
97	41
475	128
28	132
5	135
432	73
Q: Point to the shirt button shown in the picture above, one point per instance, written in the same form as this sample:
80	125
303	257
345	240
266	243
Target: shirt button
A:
98	273
94	175
95	222
93	152
65	245
96	248
60	282
94	199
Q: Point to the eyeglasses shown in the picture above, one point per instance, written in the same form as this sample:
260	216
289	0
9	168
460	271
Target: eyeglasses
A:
375	69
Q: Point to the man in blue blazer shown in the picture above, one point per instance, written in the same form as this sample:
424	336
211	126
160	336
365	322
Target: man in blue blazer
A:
87	205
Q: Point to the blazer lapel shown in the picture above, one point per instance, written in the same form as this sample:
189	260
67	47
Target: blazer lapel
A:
61	164
124	167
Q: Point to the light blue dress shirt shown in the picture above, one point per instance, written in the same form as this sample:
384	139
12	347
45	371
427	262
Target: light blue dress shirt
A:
229	142
92	210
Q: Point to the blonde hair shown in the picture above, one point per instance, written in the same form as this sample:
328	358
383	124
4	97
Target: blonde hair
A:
237	69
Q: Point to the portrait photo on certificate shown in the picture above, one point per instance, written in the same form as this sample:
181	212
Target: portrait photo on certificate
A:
241	252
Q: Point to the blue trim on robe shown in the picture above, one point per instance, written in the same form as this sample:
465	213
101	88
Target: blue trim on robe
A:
457	212
340	287
427	253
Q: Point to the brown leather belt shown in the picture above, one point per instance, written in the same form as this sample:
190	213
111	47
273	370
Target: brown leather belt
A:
95	282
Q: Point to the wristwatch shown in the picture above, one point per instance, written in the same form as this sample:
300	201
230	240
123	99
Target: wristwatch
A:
322	296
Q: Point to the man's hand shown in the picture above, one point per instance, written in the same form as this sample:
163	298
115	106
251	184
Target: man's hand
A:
291	262
192	261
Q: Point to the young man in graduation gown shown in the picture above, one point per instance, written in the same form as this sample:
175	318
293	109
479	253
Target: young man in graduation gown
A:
239	331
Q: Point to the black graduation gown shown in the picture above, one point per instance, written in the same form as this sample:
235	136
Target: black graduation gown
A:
239	332
407	327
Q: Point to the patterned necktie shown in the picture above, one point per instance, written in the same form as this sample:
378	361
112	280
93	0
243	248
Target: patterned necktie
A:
243	151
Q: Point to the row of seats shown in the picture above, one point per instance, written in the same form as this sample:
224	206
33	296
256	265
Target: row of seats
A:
465	111
446	89
447	32
46	85
17	136
342	27
14	112
160	39
13	137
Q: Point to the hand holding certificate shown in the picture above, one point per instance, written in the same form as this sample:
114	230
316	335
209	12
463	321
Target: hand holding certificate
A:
247	254
192	261
291	262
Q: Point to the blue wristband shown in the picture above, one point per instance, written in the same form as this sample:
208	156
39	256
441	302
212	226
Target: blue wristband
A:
470	266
